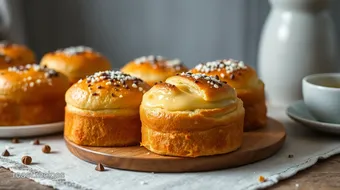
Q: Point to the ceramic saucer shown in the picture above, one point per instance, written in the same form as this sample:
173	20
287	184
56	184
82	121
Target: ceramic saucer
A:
299	112
30	130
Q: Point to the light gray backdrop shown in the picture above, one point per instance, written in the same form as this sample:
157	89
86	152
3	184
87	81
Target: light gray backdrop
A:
192	30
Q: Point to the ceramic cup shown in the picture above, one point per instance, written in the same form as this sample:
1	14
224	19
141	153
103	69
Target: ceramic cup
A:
321	94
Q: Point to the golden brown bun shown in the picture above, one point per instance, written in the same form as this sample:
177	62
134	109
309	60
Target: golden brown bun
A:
191	115
249	88
14	55
153	69
31	94
103	110
76	62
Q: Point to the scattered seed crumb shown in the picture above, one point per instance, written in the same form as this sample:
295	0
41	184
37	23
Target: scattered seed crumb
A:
46	149
99	167
35	142
5	153
27	160
262	179
290	156
15	140
229	65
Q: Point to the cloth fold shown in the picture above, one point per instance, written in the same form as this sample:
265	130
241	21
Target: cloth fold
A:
62	170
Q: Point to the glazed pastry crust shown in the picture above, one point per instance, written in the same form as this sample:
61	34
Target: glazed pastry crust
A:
31	95
249	88
255	107
188	131
14	55
153	70
104	110
102	128
191	134
77	65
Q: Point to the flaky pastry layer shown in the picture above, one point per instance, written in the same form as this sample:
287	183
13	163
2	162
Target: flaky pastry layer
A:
255	106
249	88
200	132
153	70
76	66
109	127
14	113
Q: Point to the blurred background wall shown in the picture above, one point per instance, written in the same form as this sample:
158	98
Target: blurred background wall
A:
192	30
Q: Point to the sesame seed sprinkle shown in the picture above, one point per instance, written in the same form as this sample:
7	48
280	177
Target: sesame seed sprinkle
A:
31	81
116	76
174	63
211	80
114	79
229	65
49	73
150	58
70	51
169	63
222	75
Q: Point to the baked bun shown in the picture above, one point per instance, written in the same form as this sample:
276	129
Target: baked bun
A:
31	94
152	69
76	62
103	110
248	86
14	55
191	115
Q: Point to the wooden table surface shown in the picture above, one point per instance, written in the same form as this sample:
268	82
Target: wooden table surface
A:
324	175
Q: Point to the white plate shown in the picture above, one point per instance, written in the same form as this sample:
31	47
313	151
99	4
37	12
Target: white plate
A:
31	130
299	112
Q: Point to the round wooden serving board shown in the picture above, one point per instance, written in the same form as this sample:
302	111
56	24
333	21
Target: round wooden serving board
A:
257	145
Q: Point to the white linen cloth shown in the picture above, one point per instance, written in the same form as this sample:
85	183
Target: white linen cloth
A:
307	147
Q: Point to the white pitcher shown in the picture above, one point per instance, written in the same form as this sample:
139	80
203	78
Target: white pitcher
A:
298	39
